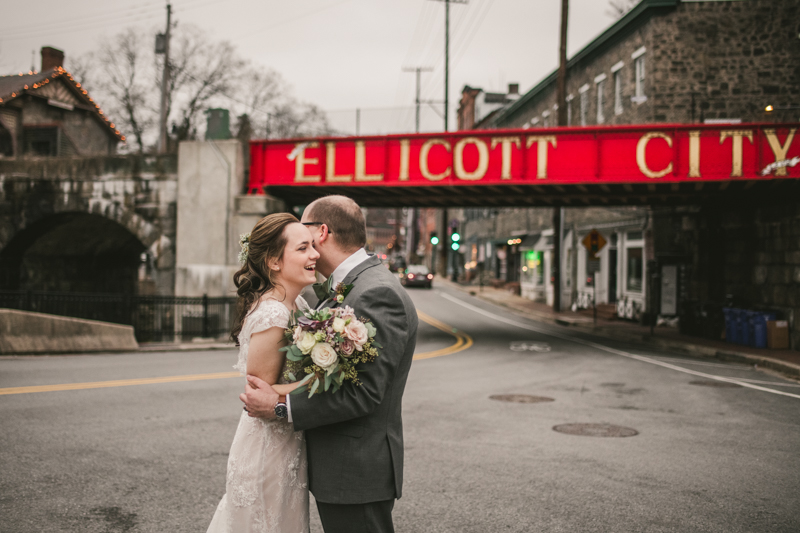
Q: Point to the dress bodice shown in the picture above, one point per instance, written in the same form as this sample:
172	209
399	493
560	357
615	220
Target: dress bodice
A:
266	314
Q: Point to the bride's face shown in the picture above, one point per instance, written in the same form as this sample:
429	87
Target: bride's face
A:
299	261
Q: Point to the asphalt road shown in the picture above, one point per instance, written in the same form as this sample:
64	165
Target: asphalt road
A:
151	457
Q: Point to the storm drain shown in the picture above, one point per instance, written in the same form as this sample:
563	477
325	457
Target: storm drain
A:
713	383
520	398
595	430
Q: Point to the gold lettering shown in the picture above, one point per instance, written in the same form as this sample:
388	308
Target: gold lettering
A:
505	142
405	155
778	150
300	162
694	154
641	160
458	159
423	159
330	166
361	164
737	135
541	152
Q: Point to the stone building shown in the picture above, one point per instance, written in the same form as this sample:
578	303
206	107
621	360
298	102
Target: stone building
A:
677	62
48	113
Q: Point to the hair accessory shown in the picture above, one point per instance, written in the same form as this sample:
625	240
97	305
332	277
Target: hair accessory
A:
244	242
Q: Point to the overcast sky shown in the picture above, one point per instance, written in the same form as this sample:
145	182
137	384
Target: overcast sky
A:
337	54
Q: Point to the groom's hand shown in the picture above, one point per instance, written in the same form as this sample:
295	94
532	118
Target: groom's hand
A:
259	398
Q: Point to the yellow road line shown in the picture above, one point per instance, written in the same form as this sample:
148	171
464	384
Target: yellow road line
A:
463	341
115	383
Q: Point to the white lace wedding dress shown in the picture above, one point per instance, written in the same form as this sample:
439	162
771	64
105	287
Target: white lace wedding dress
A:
267	482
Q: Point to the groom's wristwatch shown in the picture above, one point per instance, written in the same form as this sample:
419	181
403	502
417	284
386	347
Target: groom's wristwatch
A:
280	408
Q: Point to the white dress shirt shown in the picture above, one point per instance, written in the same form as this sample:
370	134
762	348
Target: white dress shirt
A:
338	275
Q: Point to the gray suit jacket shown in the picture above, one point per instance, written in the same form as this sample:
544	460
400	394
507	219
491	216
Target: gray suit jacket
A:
354	437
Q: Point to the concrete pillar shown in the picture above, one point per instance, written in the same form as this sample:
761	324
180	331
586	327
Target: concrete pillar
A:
210	177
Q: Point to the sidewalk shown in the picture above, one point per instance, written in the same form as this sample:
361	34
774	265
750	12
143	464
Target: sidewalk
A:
786	362
196	346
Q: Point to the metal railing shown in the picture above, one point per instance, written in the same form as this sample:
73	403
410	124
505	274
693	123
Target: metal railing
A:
154	318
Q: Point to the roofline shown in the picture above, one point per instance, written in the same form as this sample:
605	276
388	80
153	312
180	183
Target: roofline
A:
638	15
76	89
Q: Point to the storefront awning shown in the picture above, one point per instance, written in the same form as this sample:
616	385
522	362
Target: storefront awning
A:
529	241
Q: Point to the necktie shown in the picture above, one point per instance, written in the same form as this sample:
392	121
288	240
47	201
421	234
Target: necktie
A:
324	290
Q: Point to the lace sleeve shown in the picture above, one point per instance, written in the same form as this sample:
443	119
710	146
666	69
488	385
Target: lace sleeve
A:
268	314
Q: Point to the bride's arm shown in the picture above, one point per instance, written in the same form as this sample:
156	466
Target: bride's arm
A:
286	388
263	358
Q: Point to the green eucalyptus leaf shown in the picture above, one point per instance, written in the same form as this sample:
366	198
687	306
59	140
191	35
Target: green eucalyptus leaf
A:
328	381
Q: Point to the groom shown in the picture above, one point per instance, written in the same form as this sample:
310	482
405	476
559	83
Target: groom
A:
354	437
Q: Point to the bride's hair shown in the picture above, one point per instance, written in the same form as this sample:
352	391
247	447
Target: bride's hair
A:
267	242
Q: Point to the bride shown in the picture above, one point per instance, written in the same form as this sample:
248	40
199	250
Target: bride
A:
266	488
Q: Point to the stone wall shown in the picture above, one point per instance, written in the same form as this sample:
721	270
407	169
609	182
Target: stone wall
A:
744	255
134	195
735	56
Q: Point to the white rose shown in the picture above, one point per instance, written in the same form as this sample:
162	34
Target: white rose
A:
338	324
298	334
307	342
324	355
356	331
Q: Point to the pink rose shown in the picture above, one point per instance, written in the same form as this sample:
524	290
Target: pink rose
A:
347	347
298	334
356	331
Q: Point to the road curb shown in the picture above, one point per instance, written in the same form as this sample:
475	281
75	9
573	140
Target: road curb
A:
787	369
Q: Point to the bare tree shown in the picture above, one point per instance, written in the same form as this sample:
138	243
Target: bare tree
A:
126	77
618	8
118	72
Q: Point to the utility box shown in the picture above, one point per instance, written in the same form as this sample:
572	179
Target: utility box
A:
778	334
218	125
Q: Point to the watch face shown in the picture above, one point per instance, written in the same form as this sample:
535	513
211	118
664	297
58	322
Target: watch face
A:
281	411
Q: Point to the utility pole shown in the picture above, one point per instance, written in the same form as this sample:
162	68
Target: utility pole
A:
558	212
447	55
417	101
162	140
562	66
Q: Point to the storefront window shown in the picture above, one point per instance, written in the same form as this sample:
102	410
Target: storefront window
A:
635	269
532	271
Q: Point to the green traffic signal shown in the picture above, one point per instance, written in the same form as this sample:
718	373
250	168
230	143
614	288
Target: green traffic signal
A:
455	246
456	237
434	240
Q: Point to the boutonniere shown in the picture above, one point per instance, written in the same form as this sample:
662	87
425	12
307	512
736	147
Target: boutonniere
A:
341	291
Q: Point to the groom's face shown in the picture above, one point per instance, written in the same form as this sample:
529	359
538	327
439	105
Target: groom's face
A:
317	231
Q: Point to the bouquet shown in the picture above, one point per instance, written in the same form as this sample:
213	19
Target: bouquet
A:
326	344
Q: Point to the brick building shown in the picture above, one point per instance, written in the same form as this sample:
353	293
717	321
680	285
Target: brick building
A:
680	61
48	113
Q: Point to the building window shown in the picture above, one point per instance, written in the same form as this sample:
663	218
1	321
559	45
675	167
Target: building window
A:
545	119
600	82
638	75
584	109
635	269
617	93
569	110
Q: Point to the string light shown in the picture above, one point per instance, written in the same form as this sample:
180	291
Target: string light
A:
59	71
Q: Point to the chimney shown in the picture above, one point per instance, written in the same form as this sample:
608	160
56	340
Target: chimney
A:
513	88
51	58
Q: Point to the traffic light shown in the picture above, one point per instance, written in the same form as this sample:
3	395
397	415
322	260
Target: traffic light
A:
434	239
455	237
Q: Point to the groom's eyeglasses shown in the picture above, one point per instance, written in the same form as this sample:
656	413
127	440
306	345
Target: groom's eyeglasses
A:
316	224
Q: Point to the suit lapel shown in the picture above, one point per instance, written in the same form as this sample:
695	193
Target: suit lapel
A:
371	261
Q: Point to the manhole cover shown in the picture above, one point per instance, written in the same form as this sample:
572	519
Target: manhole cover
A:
520	398
712	383
596	430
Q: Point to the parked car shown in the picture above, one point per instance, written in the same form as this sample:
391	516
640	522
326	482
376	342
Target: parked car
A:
417	276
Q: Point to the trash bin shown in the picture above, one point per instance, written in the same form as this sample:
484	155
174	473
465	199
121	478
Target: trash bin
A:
734	335
746	327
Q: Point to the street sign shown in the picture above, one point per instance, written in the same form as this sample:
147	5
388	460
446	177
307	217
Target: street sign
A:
592	266
593	242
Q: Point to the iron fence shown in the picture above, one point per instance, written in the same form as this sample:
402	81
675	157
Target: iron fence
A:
154	318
